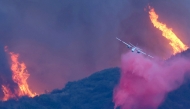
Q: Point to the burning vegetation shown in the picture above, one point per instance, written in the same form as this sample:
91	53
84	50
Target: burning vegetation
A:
7	93
176	44
145	83
19	76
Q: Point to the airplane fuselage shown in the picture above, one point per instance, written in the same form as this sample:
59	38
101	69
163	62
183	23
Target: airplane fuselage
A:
133	49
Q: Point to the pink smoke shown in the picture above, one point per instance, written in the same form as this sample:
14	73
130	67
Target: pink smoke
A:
144	82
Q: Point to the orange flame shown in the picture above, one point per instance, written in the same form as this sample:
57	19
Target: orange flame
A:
7	93
176	44
20	75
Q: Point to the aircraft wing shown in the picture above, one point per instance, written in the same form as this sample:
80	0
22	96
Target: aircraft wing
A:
132	44
136	47
144	53
139	50
128	45
151	56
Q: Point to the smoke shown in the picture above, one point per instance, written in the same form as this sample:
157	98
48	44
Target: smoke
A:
65	40
62	40
145	82
138	29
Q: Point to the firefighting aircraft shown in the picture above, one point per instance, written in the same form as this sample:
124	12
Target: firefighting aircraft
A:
134	48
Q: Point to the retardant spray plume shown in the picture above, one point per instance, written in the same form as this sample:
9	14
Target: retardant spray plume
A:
145	82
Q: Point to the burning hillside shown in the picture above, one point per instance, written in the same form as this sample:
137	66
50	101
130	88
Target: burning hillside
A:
176	44
19	76
144	83
65	40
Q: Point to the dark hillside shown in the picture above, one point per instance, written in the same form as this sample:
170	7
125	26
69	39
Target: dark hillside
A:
93	92
178	99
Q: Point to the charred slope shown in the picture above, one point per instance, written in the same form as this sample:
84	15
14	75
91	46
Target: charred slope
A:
93	92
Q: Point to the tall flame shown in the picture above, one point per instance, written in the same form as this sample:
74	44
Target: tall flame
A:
176	44
20	75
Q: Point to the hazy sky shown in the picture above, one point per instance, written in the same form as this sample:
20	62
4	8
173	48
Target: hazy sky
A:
65	40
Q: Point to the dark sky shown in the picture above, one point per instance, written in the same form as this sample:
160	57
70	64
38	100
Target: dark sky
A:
65	40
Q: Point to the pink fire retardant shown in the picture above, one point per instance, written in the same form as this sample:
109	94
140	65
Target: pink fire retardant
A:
145	82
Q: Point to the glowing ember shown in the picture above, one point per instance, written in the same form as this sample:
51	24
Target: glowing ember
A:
20	75
175	42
